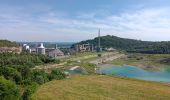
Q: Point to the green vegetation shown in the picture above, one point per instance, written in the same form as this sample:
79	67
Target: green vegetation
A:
18	69
6	43
81	59
131	45
85	66
145	61
80	56
22	74
8	90
99	55
56	74
24	59
102	88
88	67
29	90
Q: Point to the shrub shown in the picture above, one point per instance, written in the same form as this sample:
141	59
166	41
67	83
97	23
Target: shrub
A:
56	74
10	74
99	55
8	90
39	76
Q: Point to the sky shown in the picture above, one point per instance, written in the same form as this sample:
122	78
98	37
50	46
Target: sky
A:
77	20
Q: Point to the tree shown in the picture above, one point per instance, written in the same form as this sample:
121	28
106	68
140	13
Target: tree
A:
39	76
8	90
56	74
131	45
10	74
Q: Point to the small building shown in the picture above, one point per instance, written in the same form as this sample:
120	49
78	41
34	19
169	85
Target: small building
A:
40	49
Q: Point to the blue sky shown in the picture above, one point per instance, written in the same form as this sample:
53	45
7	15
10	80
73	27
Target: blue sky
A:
76	20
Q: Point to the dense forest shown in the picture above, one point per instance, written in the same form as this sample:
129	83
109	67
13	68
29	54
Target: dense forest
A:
131	45
18	79
6	43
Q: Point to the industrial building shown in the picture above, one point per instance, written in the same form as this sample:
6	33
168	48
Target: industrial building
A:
87	47
26	48
54	52
40	49
84	47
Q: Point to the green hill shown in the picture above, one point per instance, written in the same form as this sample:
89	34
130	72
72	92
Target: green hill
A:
6	43
102	88
131	45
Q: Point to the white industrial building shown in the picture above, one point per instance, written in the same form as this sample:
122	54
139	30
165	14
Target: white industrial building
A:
40	49
26	48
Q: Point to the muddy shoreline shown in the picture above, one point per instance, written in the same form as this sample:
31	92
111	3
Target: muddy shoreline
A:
145	67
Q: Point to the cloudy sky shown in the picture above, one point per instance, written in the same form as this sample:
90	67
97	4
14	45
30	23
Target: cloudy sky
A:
76	20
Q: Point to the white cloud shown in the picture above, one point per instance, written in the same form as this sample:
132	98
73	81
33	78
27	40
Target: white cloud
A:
145	24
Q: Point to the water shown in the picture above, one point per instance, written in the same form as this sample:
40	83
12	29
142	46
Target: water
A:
135	72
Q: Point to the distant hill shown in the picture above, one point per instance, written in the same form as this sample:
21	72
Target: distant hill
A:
6	43
131	45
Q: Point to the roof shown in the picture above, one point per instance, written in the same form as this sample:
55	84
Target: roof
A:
41	46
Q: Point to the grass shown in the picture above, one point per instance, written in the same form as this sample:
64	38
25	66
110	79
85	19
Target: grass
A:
80	59
99	87
80	54
90	68
146	61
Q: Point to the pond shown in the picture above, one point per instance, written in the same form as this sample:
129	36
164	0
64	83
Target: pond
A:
135	72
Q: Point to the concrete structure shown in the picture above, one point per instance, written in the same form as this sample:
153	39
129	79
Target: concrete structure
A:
26	48
110	49
89	47
99	49
40	49
84	47
54	52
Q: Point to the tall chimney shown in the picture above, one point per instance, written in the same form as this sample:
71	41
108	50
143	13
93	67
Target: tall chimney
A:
56	46
99	39
98	48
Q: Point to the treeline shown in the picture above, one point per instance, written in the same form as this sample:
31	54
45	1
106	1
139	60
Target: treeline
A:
131	45
17	78
6	43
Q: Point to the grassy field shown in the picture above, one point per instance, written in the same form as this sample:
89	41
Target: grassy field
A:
80	55
146	61
99	87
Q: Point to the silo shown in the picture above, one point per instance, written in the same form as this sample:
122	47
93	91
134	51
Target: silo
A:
41	49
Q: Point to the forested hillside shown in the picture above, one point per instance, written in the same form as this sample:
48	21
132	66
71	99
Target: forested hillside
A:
6	43
131	45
